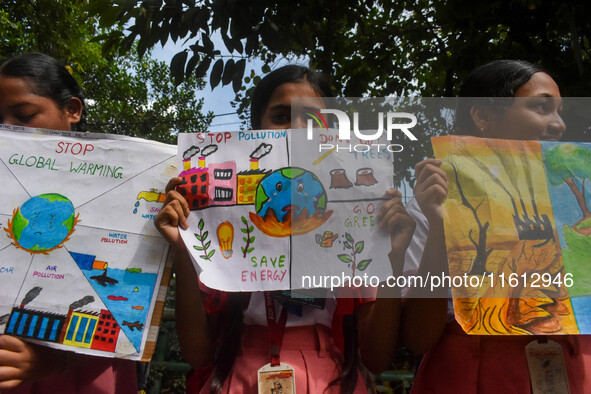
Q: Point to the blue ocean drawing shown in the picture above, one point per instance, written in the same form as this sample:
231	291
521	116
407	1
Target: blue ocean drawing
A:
130	293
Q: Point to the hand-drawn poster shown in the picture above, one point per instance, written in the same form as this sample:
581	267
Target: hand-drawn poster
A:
517	222
271	211
81	263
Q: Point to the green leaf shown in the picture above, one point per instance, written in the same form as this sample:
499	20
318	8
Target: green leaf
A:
206	246
197	247
249	250
191	64
242	248
345	258
210	253
177	67
216	73
205	234
244	220
251	239
362	265
359	247
245	239
204	257
207	43
245	231
228	72
201	224
348	245
251	229
238	74
349	238
198	236
202	68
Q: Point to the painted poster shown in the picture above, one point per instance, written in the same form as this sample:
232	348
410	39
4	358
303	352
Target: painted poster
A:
523	245
81	263
273	211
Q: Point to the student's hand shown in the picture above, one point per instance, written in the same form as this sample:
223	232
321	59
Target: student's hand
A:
431	189
21	362
394	219
173	214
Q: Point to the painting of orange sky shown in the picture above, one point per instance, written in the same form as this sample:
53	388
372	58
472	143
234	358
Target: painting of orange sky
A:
499	223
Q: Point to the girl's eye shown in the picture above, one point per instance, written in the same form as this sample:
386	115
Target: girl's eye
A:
25	118
279	186
281	118
300	188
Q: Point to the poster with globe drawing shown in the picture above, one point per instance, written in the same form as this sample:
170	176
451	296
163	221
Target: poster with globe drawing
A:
270	210
82	266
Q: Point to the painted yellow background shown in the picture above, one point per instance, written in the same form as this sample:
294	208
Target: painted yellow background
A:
490	172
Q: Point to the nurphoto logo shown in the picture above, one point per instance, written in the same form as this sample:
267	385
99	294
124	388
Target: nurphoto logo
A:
392	123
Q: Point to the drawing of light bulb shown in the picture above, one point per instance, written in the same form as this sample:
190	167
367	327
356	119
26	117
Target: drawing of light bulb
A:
225	237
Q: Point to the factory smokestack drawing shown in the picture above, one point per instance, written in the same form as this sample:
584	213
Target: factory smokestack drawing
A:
195	188
249	180
31	295
261	151
187	155
208	150
74	305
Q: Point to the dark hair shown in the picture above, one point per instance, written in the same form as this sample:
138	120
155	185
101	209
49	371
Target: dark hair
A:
499	78
47	78
286	74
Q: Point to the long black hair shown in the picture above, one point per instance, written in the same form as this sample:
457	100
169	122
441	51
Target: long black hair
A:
46	77
286	74
499	78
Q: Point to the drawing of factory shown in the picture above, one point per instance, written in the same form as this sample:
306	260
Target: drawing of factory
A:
86	329
218	183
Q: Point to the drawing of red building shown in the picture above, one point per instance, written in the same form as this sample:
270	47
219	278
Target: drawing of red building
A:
107	332
195	188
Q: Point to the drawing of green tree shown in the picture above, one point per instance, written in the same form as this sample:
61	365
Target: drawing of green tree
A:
570	163
351	259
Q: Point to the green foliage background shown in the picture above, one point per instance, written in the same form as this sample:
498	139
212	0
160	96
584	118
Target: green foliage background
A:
127	94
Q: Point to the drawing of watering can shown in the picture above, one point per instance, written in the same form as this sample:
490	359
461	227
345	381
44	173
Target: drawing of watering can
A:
325	240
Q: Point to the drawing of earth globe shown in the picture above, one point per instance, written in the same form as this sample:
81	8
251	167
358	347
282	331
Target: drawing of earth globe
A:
43	222
290	189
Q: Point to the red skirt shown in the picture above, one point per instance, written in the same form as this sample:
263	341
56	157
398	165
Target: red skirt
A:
309	350
96	375
462	363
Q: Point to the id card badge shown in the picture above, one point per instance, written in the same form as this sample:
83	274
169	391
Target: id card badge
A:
547	372
276	380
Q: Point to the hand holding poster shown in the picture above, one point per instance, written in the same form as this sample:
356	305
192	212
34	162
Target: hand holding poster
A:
271	212
516	219
81	263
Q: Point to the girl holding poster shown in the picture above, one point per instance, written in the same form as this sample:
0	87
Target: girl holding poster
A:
492	363
37	91
230	337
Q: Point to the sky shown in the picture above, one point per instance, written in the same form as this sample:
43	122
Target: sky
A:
217	100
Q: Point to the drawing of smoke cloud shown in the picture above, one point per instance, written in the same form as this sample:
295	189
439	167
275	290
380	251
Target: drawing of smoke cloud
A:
81	302
31	295
192	151
262	150
208	150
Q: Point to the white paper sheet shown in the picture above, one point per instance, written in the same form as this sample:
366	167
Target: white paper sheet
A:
80	259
